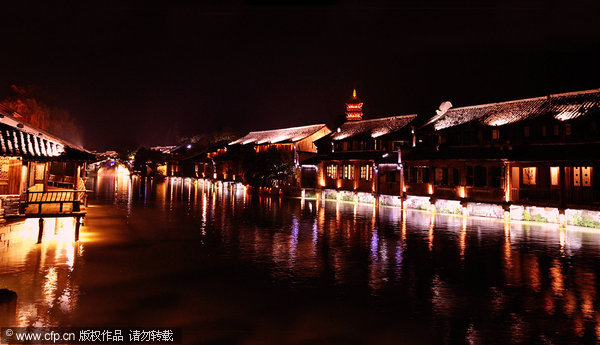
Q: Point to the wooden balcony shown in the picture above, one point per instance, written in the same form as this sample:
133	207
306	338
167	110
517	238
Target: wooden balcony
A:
53	203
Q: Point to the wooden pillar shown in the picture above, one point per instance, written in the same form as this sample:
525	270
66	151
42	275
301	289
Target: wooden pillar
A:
40	231
77	227
562	183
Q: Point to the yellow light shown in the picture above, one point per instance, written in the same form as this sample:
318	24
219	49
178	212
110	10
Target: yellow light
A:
554	176
562	220
430	188
461	192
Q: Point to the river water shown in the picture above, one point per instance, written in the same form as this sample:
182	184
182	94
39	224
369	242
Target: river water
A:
232	268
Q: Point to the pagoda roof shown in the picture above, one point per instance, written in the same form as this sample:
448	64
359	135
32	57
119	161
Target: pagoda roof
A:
278	136
373	127
563	107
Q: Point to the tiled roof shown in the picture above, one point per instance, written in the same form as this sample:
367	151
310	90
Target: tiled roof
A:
565	106
374	128
282	135
20	139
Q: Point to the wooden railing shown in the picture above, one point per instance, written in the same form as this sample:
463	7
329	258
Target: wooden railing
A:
50	198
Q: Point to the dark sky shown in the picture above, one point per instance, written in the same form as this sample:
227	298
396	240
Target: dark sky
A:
139	74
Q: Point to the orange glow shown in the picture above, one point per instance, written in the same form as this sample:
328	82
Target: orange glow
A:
461	192
554	176
529	175
59	230
562	220
430	232
462	241
430	189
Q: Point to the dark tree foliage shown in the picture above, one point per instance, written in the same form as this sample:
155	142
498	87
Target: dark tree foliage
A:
205	141
271	168
146	162
33	106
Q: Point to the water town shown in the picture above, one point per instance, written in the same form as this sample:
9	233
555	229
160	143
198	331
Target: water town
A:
535	159
530	159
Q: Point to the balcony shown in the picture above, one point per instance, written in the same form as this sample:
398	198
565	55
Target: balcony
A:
55	202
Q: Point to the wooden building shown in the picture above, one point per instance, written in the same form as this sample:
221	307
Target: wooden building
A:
41	175
360	155
542	151
295	143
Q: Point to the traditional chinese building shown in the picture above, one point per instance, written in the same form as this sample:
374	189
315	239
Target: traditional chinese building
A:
360	155
542	151
41	175
295	143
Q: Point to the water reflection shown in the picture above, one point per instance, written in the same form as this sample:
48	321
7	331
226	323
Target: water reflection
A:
456	275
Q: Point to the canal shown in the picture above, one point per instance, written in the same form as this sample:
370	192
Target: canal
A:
232	268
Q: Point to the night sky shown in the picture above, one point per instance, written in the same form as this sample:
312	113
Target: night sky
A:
138	74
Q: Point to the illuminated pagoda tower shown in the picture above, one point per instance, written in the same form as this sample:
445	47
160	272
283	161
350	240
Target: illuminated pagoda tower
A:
354	108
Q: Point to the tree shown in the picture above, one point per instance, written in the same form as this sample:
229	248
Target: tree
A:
28	102
270	168
146	161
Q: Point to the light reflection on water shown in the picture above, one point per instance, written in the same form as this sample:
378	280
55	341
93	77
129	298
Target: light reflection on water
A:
468	280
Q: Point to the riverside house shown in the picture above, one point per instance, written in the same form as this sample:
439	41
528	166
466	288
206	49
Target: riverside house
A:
41	176
542	152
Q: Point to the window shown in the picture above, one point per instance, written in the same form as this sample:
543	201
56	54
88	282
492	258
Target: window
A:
469	176
544	130
480	176
366	172
441	176
412	173
348	172
529	175
526	131
425	175
582	176
556	130
554	175
495	134
456	176
332	171
496	173
568	129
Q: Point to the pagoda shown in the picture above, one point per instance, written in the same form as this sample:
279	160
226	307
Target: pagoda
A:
354	108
